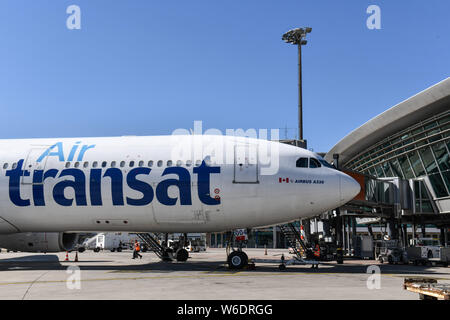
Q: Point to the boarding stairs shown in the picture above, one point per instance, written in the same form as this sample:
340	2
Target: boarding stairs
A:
150	239
298	245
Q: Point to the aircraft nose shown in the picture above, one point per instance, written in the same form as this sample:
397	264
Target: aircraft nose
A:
349	188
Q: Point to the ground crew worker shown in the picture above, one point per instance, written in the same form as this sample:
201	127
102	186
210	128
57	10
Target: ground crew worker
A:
137	249
317	252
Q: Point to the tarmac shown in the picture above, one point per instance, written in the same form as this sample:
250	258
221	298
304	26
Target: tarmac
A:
107	275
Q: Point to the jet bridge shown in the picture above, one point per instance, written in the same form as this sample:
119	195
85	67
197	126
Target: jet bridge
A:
395	202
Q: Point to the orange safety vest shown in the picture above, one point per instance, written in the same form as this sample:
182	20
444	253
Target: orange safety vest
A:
317	251
137	247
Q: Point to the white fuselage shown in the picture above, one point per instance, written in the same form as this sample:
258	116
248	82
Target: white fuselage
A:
160	184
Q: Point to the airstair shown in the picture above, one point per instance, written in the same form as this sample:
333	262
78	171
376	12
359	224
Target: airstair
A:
302	252
151	241
294	239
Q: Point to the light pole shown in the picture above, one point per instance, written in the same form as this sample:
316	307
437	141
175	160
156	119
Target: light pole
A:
298	37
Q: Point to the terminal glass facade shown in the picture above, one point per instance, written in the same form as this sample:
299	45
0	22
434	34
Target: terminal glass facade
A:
420	150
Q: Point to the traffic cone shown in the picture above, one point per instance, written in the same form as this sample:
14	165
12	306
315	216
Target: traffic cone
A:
76	256
67	256
265	250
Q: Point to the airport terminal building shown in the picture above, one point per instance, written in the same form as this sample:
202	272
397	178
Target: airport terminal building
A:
411	141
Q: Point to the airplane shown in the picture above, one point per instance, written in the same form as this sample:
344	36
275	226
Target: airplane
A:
51	190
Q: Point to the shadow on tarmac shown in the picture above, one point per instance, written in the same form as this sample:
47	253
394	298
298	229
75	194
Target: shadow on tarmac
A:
52	262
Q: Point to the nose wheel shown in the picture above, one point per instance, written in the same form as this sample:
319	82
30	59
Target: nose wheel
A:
237	260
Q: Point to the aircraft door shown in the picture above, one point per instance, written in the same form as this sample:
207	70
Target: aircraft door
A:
246	163
31	163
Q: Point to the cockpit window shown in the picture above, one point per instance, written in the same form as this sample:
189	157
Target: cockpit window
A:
326	164
314	163
302	163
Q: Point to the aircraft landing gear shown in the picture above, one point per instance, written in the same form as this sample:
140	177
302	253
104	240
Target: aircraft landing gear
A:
182	255
237	260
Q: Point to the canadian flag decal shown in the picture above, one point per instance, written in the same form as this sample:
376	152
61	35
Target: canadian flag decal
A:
283	180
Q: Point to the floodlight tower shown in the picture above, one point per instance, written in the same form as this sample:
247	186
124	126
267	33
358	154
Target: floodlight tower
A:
298	37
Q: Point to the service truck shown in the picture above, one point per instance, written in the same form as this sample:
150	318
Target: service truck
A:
115	241
428	251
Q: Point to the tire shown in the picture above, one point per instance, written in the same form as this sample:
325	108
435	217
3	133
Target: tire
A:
96	249
81	249
390	259
119	249
339	258
182	255
430	254
237	260
282	267
113	249
380	259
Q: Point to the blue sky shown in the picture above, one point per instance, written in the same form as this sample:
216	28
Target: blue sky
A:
149	67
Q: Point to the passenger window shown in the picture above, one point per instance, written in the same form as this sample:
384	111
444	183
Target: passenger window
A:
179	163
150	163
14	165
141	163
188	163
94	164
198	163
131	164
86	164
5	166
113	164
169	163
314	163
302	163
160	163
77	164
122	164
67	164
104	164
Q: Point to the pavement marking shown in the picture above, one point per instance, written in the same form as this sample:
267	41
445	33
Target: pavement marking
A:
165	277
203	275
33	282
